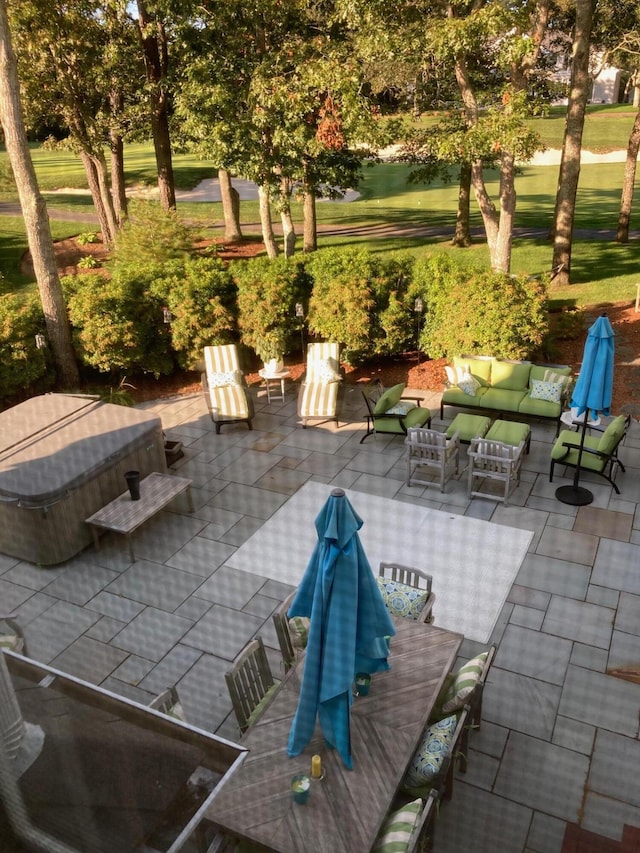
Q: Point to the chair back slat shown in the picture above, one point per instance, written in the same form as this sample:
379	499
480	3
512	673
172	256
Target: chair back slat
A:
249	681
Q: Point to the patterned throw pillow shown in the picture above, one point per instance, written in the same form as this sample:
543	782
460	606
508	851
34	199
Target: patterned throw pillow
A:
550	391
221	380
463	684
299	630
324	370
403	407
469	384
396	832
401	599
431	752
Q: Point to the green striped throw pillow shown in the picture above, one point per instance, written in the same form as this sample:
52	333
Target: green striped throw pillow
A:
463	684
396	832
299	630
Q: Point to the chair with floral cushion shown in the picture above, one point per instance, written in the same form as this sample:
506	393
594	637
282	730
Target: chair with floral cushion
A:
390	411
224	387
430	453
292	633
406	591
321	392
434	761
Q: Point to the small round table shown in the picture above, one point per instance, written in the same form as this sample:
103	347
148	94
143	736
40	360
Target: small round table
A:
274	377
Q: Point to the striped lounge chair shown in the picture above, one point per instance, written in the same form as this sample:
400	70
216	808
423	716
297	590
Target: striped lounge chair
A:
321	392
225	388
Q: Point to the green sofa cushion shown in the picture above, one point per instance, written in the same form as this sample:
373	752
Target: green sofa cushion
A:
390	397
503	401
458	398
510	377
480	368
589	461
612	435
539	408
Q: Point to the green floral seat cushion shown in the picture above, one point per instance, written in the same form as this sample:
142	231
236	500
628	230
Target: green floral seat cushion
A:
299	631
396	832
431	753
401	599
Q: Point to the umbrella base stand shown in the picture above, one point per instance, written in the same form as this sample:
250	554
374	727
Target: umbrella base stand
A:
574	495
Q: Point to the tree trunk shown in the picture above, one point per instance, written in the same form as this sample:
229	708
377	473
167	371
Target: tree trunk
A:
116	147
502	259
310	227
572	144
118	189
487	207
98	201
156	61
230	208
34	211
268	236
462	237
288	228
624	217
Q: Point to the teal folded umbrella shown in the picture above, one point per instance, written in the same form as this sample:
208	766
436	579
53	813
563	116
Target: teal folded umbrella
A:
349	623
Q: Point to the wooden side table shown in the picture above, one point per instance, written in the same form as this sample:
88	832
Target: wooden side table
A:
124	515
269	378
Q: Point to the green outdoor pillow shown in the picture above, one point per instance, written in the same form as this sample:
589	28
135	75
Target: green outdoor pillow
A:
395	834
389	399
611	436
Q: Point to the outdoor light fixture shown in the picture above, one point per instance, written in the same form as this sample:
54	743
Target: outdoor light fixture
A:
418	305
167	316
40	342
300	314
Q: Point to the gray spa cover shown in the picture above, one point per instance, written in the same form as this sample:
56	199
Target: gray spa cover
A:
51	444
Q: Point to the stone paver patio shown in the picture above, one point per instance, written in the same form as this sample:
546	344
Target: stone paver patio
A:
559	742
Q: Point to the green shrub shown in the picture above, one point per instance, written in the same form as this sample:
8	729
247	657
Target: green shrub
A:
268	291
480	311
87	237
201	296
117	322
363	301
150	235
88	262
22	365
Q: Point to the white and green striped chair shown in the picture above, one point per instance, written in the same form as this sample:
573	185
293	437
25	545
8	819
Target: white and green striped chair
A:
224	387
409	828
321	392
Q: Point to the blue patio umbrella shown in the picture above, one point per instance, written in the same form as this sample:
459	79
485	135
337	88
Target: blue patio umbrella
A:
591	396
349	623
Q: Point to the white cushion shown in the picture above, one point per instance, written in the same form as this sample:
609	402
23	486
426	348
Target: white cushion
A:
455	374
221	380
469	384
324	370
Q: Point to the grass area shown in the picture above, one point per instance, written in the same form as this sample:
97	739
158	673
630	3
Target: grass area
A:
602	270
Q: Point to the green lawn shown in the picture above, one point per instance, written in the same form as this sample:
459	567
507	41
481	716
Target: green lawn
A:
602	270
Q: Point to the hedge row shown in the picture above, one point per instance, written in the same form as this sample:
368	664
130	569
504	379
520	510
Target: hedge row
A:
366	302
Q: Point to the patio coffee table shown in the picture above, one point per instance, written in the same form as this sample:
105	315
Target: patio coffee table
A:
124	515
468	427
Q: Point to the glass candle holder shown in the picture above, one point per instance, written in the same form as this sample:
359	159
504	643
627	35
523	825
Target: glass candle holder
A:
300	788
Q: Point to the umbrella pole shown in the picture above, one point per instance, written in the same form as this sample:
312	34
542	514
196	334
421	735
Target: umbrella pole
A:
576	495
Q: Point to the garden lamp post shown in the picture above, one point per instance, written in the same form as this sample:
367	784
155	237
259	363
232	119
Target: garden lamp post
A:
300	315
418	305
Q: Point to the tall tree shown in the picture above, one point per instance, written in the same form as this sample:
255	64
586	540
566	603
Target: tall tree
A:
569	174
155	49
34	210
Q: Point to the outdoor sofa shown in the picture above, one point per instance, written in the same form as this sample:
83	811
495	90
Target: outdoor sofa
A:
498	387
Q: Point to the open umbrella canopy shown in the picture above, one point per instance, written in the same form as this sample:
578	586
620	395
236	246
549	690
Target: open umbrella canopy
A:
349	623
594	387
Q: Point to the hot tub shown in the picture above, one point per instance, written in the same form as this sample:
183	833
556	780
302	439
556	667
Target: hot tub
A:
62	458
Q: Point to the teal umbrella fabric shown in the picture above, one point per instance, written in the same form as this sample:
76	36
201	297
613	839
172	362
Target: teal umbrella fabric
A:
594	388
349	623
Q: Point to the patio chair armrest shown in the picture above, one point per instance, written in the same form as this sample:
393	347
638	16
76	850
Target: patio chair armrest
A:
585	449
416	400
426	614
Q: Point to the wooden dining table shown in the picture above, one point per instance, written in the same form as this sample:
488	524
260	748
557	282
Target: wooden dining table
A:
346	808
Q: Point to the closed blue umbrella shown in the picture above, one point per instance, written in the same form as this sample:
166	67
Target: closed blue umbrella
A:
591	396
349	623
